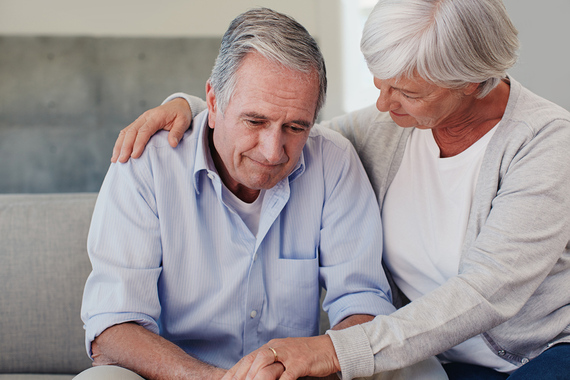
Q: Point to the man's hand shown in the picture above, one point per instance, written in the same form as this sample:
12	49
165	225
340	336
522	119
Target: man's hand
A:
296	357
174	116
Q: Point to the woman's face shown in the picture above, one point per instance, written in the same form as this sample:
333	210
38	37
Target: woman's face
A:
414	102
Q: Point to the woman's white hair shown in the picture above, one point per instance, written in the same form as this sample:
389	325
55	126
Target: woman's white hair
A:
450	43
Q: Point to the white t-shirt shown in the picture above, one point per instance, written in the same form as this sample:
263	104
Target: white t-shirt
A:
249	212
425	215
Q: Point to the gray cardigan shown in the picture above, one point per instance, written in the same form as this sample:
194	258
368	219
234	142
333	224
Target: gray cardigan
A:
514	278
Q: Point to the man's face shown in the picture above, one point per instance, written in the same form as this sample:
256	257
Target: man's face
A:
261	134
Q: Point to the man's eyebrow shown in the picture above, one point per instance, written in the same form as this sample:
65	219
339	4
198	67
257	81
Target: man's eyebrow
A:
255	115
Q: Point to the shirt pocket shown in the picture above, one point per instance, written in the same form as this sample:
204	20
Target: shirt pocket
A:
298	295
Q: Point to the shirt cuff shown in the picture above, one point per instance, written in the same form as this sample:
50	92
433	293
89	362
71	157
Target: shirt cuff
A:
360	303
354	353
99	323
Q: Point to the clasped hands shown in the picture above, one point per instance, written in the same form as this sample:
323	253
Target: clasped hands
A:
288	359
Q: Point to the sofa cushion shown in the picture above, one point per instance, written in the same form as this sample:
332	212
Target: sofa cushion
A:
44	265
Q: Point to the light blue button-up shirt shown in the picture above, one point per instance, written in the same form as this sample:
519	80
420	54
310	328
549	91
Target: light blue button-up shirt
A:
170	254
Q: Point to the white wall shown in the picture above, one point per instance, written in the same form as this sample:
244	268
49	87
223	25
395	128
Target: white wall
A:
137	17
544	30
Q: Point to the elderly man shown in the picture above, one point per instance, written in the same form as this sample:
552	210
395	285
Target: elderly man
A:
203	253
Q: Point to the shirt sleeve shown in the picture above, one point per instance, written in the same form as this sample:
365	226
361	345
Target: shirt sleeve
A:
351	240
125	251
196	104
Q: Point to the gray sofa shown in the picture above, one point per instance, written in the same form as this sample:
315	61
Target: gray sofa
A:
43	268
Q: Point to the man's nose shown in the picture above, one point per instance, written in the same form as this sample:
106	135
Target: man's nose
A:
272	145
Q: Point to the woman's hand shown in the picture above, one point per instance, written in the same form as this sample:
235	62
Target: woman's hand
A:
174	116
290	359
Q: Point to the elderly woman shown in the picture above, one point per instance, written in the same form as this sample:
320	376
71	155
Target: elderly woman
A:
472	173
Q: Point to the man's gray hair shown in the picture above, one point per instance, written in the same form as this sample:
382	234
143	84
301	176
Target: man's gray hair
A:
278	38
450	43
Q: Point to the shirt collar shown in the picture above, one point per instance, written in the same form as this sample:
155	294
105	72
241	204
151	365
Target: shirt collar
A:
204	162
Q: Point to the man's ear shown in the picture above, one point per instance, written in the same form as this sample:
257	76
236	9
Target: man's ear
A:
212	105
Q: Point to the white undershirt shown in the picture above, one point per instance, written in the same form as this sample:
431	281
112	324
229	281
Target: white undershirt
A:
425	216
249	212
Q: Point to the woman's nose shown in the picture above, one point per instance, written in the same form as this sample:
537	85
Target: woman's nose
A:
383	102
386	101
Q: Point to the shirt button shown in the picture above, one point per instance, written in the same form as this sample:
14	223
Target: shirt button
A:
255	257
501	353
253	314
210	175
524	361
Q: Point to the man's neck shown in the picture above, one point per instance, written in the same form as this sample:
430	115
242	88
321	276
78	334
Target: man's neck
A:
242	192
